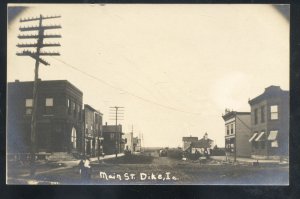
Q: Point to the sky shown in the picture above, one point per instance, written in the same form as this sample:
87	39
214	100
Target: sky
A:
175	68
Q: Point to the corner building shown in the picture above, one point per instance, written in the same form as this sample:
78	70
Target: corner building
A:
59	117
270	124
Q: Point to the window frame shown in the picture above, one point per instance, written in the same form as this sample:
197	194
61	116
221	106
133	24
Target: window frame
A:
227	129
274	112
262	114
231	129
28	107
49	109
255	116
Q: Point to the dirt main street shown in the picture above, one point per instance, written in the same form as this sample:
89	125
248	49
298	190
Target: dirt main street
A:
149	168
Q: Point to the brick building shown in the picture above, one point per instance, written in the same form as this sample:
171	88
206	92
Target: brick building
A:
113	141
92	131
237	133
59	116
270	123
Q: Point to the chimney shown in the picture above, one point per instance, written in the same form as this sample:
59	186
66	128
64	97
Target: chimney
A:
17	81
105	123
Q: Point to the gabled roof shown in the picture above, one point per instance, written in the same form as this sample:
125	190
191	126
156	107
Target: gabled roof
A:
189	139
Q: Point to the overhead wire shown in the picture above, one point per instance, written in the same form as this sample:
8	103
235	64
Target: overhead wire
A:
123	90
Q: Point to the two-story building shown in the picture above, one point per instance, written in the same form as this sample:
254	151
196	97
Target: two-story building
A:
113	142
92	131
237	133
59	116
270	124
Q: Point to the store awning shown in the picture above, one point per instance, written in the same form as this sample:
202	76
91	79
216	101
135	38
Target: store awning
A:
274	144
259	136
272	135
253	136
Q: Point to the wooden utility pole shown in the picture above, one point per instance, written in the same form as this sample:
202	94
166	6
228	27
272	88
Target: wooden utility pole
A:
118	115
40	36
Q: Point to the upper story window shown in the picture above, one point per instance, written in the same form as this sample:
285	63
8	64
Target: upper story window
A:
227	129
255	116
262	114
77	110
112	136
69	105
49	106
274	112
28	106
232	131
72	108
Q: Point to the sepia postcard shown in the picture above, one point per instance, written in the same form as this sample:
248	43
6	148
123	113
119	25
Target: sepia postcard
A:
147	94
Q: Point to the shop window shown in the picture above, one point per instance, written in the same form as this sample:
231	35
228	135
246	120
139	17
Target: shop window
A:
28	106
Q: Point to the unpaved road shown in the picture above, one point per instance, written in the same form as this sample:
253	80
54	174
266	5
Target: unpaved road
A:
164	170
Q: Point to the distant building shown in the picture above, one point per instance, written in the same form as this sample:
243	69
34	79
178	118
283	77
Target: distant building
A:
129	141
59	116
237	133
137	144
113	141
186	142
270	123
203	146
92	131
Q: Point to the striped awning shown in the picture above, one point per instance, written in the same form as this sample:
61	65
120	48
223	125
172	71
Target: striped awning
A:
253	136
259	136
272	135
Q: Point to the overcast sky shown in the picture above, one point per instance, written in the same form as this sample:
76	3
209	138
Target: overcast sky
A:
175	68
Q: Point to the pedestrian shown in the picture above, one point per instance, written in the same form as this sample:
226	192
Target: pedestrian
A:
116	152
88	169
81	167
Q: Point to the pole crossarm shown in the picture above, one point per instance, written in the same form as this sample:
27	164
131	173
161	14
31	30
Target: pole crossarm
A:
34	56
27	52
35	45
39	28
39	18
36	36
